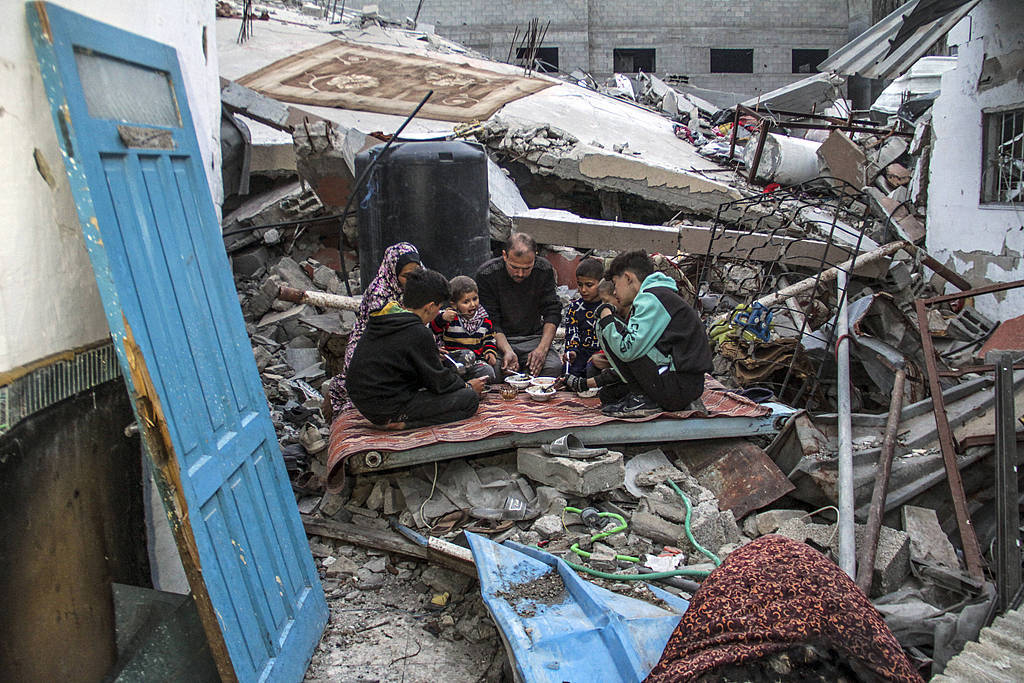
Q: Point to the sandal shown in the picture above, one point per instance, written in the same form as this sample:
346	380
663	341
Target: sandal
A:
489	526
570	446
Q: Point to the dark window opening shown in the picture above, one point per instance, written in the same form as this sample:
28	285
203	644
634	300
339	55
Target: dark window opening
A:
628	60
732	61
544	58
1002	180
806	61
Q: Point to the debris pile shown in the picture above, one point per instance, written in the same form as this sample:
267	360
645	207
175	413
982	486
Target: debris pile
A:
795	233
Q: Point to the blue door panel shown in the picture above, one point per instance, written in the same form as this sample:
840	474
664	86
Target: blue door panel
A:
157	252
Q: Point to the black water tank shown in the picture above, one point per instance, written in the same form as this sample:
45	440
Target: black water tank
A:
432	194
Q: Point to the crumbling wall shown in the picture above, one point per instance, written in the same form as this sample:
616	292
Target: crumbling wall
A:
48	297
682	33
983	242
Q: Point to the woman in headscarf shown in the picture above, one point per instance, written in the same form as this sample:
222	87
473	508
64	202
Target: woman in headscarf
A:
399	260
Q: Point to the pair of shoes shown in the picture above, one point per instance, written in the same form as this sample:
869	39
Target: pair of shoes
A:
634	405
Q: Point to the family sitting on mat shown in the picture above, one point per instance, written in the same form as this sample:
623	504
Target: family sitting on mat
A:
631	336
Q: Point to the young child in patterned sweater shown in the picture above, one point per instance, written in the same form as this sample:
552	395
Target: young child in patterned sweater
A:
465	327
580	317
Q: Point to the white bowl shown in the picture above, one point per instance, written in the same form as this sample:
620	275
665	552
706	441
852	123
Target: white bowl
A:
589	393
544	382
518	381
540	393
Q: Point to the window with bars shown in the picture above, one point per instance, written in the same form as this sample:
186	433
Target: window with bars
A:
1002	178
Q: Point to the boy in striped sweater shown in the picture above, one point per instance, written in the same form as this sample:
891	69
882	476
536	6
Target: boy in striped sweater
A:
465	329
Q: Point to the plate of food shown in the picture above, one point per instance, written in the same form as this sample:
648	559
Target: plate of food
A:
541	393
518	380
543	382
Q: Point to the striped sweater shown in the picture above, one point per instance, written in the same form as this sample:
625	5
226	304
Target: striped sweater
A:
455	336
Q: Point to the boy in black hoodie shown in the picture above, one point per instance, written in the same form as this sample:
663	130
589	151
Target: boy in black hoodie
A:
396	379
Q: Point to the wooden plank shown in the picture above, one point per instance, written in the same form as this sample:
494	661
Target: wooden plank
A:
377	539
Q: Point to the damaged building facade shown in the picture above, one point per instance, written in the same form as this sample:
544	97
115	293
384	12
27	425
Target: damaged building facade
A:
743	47
975	181
852	406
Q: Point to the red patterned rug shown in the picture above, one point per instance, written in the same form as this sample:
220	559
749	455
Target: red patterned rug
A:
351	433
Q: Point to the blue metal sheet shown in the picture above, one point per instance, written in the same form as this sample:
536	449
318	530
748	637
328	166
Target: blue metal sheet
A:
588	635
154	241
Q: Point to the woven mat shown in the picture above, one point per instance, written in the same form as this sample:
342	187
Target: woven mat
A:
351	433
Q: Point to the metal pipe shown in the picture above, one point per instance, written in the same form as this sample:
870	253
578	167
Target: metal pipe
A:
866	562
851	266
847	543
1007	547
319	299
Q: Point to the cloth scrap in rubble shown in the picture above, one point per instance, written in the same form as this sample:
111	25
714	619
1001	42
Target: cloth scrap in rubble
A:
772	595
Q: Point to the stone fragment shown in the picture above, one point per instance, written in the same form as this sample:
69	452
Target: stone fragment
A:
342	567
548	526
657	529
367	580
569	475
248	262
293	274
376	565
928	542
375	501
326	279
442	580
767	522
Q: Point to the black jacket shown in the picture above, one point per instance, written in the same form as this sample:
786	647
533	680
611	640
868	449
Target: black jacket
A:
519	309
396	357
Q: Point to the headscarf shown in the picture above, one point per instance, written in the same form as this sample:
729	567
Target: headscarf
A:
382	289
472	323
771	595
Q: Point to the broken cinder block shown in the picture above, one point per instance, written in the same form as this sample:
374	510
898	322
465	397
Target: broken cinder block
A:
569	475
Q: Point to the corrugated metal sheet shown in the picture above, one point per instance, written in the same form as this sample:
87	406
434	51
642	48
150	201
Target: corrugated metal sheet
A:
868	54
997	655
49	384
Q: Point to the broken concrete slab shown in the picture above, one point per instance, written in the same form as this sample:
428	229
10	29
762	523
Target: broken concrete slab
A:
569	475
928	542
769	521
552	226
844	159
293	274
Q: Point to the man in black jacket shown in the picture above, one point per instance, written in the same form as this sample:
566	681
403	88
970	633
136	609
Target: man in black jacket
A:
518	291
396	379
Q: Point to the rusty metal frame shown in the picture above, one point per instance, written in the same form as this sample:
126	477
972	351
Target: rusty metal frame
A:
947	441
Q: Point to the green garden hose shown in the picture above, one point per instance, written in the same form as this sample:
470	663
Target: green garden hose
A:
604	534
686	524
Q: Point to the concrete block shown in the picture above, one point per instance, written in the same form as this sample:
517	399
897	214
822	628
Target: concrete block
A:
548	526
247	263
928	542
578	477
293	274
767	522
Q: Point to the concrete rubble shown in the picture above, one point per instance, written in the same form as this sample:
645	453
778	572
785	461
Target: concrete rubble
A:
591	170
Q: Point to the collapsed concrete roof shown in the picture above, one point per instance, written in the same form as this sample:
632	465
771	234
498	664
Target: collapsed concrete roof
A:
653	163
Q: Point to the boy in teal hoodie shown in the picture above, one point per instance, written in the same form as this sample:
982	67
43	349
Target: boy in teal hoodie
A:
661	352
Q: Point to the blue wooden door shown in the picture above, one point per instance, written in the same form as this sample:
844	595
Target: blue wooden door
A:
130	151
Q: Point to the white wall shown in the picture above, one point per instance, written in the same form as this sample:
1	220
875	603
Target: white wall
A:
984	243
48	297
